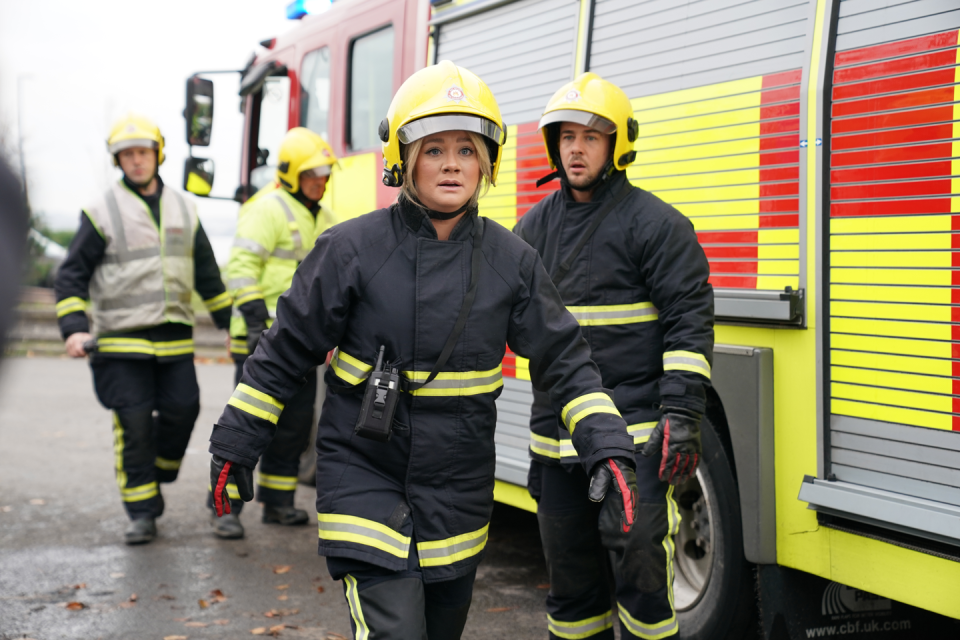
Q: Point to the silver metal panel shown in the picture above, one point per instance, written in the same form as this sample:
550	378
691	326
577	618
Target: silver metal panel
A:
867	22
743	378
892	431
897	484
916	516
523	50
676	46
512	437
752	309
897	467
899	450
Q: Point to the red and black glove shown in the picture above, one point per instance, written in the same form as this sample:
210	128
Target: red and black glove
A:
222	472
677	438
614	482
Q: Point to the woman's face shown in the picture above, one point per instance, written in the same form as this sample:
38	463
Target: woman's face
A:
447	171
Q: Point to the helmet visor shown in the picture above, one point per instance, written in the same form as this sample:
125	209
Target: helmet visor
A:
587	119
317	172
131	143
435	124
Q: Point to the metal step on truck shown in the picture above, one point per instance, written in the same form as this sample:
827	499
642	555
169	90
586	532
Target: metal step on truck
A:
815	146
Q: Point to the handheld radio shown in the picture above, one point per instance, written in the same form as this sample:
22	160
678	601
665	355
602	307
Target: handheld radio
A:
379	402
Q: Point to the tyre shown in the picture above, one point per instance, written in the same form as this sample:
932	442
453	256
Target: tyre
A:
713	584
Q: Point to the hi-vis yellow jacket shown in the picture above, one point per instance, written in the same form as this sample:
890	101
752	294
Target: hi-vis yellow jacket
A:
274	233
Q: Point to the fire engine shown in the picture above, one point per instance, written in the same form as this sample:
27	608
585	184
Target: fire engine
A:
815	146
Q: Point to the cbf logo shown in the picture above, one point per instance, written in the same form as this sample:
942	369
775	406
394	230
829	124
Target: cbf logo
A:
455	94
839	599
572	96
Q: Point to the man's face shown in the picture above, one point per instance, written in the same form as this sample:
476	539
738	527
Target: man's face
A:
139	164
583	153
313	187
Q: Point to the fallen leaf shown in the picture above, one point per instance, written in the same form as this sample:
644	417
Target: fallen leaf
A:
216	593
117	574
6	508
127	605
198	625
281	569
203	603
204	576
165	596
133	597
174	637
319	589
82	585
273	613
259	631
277	628
500	609
282	597
75	606
221	622
333	635
281	587
180	619
543	586
38	501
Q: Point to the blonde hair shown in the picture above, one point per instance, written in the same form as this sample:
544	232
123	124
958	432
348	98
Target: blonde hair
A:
412	151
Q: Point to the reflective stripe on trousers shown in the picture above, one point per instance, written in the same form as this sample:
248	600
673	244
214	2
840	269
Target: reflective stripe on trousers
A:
581	628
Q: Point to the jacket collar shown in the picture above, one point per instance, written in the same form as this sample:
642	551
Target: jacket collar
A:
419	223
608	189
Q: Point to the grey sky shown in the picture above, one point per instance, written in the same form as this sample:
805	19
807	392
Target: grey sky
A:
91	62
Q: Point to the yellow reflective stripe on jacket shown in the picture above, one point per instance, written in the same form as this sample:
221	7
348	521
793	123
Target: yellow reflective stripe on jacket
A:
232	492
280	483
580	628
216	303
256	403
611	314
335	527
551	447
350	369
686	361
641	431
166	464
443	552
145	347
173	348
239	347
70	305
247	294
653	631
138	494
457	383
589	404
356	611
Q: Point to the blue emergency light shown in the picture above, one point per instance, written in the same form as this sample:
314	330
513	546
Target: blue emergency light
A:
299	8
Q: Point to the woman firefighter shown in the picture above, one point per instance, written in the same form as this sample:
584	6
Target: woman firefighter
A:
419	300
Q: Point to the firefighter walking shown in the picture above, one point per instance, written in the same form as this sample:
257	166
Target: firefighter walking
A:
630	269
275	231
420	300
138	255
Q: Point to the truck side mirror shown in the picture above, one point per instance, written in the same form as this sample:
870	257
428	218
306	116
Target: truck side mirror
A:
198	176
199	111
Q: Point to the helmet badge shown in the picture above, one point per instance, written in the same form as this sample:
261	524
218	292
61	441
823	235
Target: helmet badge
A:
572	96
455	94
131	128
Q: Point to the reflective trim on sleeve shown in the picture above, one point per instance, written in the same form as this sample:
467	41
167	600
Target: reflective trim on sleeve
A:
236	283
586	405
247	294
356	611
363	532
279	483
553	448
611	314
252	246
285	254
641	431
458	383
686	361
350	369
70	305
238	345
442	552
139	494
580	628
166	464
216	303
653	631
256	403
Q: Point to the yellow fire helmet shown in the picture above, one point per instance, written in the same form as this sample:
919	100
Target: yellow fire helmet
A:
303	151
135	131
441	97
593	102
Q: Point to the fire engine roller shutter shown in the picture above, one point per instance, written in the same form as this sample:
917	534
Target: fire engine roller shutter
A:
524	52
715	86
894	278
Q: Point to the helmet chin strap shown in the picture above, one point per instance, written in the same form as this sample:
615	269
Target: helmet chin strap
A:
602	177
442	215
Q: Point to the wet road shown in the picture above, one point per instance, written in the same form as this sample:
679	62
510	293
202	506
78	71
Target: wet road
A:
61	526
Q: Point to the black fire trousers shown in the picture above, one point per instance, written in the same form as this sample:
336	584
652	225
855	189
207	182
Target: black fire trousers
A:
579	602
155	404
280	463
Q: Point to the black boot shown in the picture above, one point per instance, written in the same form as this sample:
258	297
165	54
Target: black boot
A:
227	526
284	515
141	531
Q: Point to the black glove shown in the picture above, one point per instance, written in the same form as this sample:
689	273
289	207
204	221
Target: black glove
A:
254	331
677	437
619	510
221	473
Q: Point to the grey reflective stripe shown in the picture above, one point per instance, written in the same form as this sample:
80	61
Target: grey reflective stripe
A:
236	283
454	549
185	249
367	532
578	409
628	316
639	433
136	254
272	409
252	246
580	628
438	383
346	367
693	362
294	232
128	302
119	237
285	254
644	630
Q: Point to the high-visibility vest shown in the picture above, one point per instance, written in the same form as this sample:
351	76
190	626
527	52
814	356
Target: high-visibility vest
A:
146	275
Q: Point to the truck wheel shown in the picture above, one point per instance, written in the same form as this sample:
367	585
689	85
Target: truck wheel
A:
713	584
